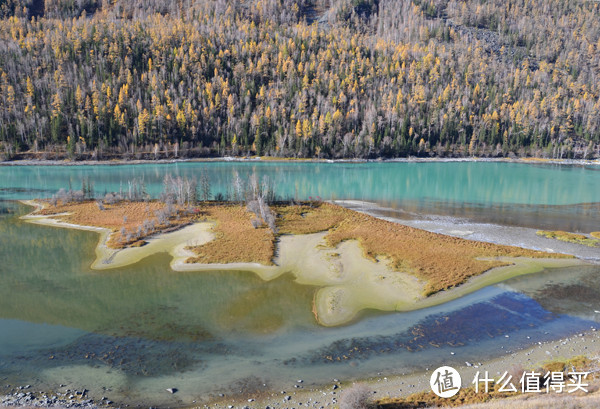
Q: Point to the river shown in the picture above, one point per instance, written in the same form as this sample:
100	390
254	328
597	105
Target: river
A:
132	332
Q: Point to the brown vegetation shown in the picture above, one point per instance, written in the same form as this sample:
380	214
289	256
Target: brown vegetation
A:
305	219
442	261
468	396
236	241
126	219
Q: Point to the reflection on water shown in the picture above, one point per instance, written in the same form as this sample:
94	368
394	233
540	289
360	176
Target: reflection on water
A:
470	182
505	313
580	217
539	196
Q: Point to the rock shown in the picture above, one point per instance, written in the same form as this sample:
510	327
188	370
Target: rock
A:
171	390
334	387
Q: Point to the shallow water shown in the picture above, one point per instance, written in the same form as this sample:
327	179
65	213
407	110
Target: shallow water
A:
129	333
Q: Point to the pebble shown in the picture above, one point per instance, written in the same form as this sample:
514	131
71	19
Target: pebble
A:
171	390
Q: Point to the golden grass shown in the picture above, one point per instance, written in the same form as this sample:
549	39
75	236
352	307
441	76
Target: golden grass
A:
534	159
429	399
595	234
236	241
442	261
305	219
468	396
569	237
580	362
544	401
125	214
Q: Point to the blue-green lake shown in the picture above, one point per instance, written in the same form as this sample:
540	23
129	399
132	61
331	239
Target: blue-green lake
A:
131	332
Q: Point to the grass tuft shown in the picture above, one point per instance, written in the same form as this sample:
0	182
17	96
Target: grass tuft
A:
570	237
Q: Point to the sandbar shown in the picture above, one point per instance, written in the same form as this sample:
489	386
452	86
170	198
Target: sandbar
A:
348	281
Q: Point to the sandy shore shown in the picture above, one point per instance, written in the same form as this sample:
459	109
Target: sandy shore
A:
302	394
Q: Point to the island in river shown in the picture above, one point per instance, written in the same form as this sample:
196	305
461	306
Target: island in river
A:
358	261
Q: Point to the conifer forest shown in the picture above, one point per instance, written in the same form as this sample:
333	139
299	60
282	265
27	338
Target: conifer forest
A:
157	79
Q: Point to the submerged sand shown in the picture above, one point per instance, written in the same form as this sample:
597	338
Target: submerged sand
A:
348	281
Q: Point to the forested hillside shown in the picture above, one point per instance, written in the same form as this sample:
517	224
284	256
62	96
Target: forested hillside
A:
92	79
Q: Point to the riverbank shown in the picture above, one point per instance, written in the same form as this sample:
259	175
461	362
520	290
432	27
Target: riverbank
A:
116	162
395	388
385	388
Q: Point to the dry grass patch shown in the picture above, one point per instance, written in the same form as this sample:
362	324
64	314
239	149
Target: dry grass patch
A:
429	399
580	362
543	402
570	237
236	240
307	219
126	215
468	398
595	234
442	261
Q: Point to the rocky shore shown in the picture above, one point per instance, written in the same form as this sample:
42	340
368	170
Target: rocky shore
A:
328	396
24	396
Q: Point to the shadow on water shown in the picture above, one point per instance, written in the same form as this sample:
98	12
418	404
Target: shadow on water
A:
7	208
506	313
131	356
574	290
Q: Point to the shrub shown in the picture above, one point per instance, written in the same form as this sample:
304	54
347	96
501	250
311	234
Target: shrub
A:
356	397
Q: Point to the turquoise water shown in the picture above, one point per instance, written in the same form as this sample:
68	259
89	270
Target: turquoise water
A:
129	333
459	182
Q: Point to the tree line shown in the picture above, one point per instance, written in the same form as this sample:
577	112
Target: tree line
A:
151	79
